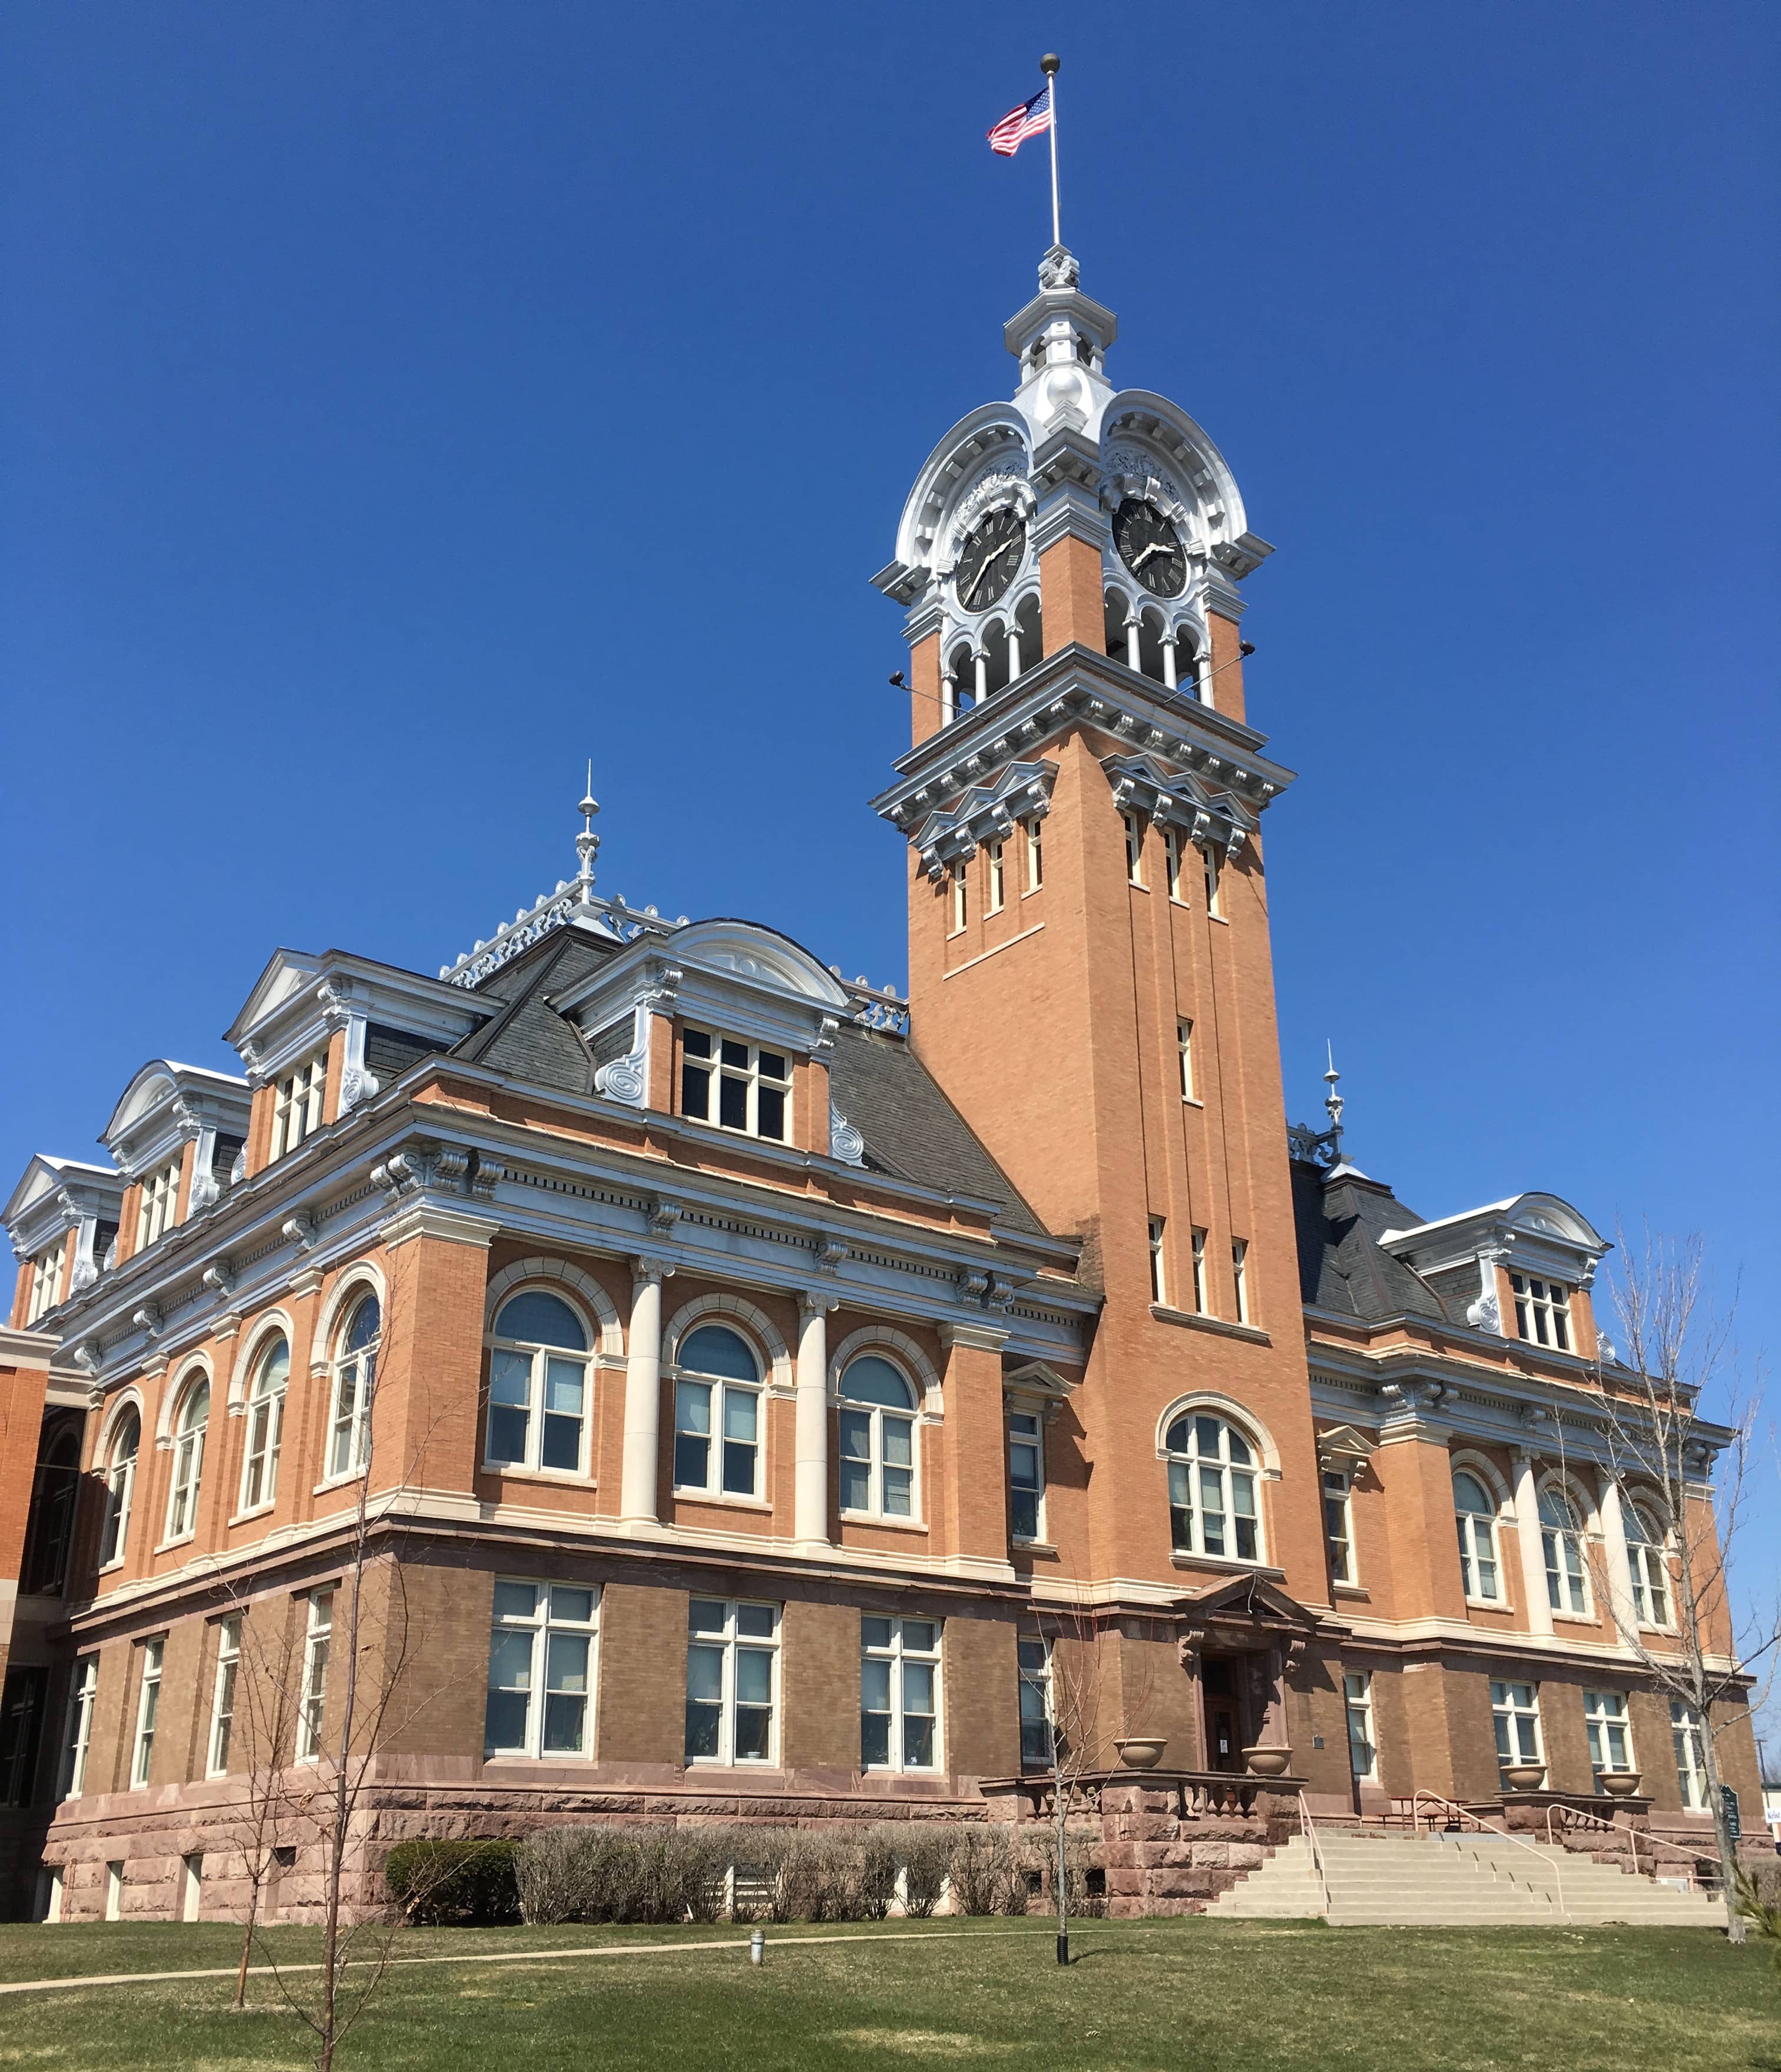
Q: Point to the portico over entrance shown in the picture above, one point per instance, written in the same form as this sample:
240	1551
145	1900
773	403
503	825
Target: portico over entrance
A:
1238	1644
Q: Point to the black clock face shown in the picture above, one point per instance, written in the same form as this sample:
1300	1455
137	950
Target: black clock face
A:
1150	547
990	560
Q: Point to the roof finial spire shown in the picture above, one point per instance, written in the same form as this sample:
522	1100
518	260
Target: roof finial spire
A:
587	843
1333	1101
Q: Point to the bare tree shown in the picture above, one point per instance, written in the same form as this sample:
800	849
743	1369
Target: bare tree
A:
262	1713
1674	1346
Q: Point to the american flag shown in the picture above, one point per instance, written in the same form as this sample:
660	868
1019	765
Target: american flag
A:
1032	118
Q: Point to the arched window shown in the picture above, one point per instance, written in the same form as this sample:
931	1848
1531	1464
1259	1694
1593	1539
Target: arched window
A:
717	1414
265	1425
355	1381
1476	1515
119	1486
537	1386
189	1426
50	1528
1561	1536
1212	1488
1647	1556
878	1440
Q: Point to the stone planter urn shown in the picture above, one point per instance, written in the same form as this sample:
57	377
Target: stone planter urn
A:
1267	1762
1523	1776
1620	1783
1141	1751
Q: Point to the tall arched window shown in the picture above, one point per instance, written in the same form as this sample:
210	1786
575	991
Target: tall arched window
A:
355	1382
1213	1507
265	1425
1476	1515
537	1385
878	1440
717	1414
1647	1556
189	1423
119	1486
1562	1537
50	1530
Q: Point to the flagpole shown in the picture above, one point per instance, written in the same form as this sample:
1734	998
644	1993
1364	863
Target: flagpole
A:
1048	64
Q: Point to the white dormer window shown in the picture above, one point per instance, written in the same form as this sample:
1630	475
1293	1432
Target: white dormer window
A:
736	1085
160	1198
46	1270
297	1112
1542	1311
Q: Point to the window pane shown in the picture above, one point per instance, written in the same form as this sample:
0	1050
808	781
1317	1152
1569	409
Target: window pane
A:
503	1725
875	1737
875	1686
899	1485
705	1615
756	1621
692	1467
739	1469
575	1605
740	1412
564	1717
918	1687
564	1383
696	1093
696	1043
541	1319
509	1379
692	1407
506	1437
562	1443
735	1053
510	1660
773	1066
918	1744
1239	1450
874	1632
754	1732
919	1636
714	1350
770	1113
515	1600
899	1442
702	1729
704	1674
1032	1656
1206	1436
870	1379
567	1670
1024	1514
732	1102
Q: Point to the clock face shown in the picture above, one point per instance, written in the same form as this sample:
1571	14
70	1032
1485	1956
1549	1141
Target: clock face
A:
990	560
1150	547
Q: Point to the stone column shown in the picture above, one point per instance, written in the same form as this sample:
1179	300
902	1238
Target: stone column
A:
643	1394
1616	1562
810	1453
1533	1558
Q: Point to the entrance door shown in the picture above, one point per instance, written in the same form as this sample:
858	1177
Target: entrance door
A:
1224	1730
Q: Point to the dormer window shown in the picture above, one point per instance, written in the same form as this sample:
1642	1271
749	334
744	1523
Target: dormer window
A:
738	1086
1542	1311
297	1112
46	1278
160	1197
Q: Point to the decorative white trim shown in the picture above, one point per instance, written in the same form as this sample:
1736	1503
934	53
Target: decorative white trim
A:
130	1398
1487	1471
907	1354
1233	1412
985	813
592	1296
361	1273
735	1309
844	1141
196	1363
253	1344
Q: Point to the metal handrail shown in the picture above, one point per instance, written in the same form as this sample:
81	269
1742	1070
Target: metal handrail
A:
1452	1809
1310	1832
1577	1816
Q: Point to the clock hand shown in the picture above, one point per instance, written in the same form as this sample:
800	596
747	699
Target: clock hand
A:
1155	547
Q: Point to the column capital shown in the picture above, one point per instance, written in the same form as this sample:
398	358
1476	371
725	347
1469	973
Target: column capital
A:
647	1269
980	1338
817	1302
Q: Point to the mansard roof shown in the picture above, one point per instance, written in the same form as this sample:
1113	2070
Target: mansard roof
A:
1339	1218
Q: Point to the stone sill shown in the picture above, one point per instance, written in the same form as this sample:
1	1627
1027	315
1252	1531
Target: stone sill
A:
1223	1567
1250	1333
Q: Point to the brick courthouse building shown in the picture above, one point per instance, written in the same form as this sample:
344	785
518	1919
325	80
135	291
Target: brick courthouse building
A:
766	1382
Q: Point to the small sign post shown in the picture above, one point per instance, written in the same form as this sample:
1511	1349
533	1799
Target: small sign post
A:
1734	1827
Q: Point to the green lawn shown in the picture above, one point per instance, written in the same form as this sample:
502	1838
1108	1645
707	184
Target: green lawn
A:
1153	1996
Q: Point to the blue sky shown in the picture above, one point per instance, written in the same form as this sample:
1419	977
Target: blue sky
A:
405	403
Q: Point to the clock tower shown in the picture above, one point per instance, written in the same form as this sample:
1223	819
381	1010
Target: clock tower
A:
1090	975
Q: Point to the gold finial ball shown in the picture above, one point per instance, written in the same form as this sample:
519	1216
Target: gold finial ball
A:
1049	63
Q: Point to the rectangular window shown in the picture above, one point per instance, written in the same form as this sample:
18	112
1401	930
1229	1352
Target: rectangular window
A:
1134	848
1240	1277
1542	1311
1514	1709
541	1670
114	1890
751	1087
717	1438
1174	847
222	1696
899	1694
1184	1049
998	878
45	1279
732	1680
83	1694
1035	854
1034	1654
1200	1303
297	1105
1026	1474
1362	1752
1691	1755
1338	1526
312	1706
961	903
1210	857
22	1704
1159	1286
148	1704
160	1198
1609	1732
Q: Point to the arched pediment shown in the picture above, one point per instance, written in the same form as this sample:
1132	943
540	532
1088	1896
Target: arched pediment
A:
153	1085
1140	427
761	956
1546	1215
992	441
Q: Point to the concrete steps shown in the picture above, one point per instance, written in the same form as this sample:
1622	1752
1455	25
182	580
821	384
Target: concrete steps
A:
1471	1881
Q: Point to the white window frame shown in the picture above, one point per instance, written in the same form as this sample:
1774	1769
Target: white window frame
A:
83	1697
1478	1565
1158	1231
312	1702
1035	854
1213	872
1688	1740
877	1465
155	1207
1203	1306
1542	1311
187	1479
1516	1718
1357	1692
1134	849
296	1104
538	1410
997	869
222	1697
722	1070
1648	1559
148	1708
1027	1448
961	901
349	1428
119	1489
1184	1049
1561	1550
1033	1660
1240	1277
1606	1713
46	1270
1190	1469
898	1655
720	1386
1338	1523
735	1643
265	1429
547	1625
1175	845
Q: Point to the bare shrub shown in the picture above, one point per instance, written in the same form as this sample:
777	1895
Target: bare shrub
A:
927	1859
988	1870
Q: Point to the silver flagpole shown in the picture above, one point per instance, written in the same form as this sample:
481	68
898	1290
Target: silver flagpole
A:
1048	64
